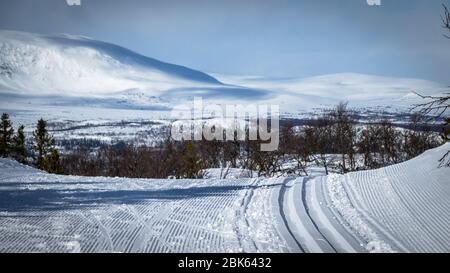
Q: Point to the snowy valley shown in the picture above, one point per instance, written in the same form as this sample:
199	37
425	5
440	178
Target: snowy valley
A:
88	89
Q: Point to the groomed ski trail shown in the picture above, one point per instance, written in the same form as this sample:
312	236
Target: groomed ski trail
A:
401	208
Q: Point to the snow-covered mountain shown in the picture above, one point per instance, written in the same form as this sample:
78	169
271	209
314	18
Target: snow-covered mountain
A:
64	65
74	71
358	89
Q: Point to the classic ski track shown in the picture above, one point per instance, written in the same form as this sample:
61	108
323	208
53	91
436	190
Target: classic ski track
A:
275	202
299	223
335	238
307	210
403	207
281	201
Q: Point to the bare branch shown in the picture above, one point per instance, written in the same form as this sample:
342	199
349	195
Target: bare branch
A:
446	20
437	106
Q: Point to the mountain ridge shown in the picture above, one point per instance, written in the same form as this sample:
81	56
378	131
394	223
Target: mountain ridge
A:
71	66
51	62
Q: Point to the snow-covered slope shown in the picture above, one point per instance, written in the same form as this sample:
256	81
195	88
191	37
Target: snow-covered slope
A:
68	70
359	89
402	208
73	65
72	70
405	207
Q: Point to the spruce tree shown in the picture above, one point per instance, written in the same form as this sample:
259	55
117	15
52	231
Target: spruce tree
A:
47	157
19	150
6	134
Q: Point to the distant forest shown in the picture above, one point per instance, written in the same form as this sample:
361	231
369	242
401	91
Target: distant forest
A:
335	141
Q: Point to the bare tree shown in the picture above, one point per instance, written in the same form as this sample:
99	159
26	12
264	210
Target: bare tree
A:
435	106
344	136
446	20
319	138
368	145
438	106
418	138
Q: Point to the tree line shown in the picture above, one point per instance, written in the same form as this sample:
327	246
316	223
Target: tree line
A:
335	141
44	154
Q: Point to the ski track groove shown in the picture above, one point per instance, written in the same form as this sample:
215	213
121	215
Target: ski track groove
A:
281	200
340	239
40	212
307	210
301	226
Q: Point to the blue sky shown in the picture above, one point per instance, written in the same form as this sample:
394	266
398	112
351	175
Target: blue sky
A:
278	38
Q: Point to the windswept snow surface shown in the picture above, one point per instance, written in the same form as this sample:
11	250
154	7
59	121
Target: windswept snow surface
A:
74	65
73	70
40	72
360	90
402	208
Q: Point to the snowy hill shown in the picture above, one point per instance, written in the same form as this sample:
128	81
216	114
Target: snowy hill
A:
401	208
74	70
359	89
74	65
407	205
68	70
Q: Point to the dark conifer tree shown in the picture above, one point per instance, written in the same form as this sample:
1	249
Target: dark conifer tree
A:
19	150
47	157
6	134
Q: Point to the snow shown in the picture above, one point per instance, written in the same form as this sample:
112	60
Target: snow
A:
359	89
401	208
38	72
343	205
96	90
72	70
226	172
408	203
49	213
78	65
75	81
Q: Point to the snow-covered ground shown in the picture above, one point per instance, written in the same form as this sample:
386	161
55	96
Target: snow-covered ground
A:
92	90
47	73
402	208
